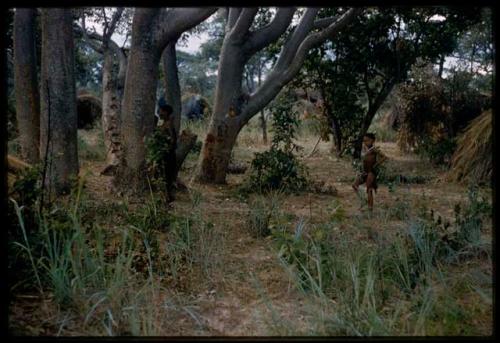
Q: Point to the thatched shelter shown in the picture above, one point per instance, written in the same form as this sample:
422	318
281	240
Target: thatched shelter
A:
89	109
472	160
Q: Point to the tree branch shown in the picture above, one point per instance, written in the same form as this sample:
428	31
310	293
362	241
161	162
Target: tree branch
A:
297	37
271	32
89	37
324	22
110	29
243	23
289	62
172	23
234	13
317	38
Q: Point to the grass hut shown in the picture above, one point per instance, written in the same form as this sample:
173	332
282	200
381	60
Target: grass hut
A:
472	160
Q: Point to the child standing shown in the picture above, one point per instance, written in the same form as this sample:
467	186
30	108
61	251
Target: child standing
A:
372	158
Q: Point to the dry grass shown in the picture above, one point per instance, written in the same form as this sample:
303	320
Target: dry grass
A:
472	160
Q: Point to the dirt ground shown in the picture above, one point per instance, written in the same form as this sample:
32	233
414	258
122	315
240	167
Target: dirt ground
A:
253	288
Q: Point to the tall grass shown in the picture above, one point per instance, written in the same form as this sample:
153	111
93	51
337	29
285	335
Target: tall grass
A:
121	290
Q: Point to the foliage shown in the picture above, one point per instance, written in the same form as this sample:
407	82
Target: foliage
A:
88	68
353	285
434	110
195	74
357	69
279	168
28	186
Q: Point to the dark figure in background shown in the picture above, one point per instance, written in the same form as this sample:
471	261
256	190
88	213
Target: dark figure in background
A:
372	159
166	137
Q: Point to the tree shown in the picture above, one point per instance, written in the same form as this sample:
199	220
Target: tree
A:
58	130
26	84
152	31
112	82
373	56
233	108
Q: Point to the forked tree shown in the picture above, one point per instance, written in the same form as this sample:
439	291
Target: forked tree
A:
152	31
233	108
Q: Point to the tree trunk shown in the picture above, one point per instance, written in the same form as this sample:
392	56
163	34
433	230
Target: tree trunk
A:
186	140
58	100
152	31
111	108
263	125
441	66
138	111
26	85
373	107
172	87
226	122
216	151
337	136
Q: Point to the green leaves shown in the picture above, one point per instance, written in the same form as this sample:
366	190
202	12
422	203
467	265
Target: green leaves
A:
278	168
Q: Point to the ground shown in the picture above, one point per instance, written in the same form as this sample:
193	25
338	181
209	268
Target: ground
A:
250	293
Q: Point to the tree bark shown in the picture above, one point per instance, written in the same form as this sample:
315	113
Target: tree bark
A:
172	86
26	84
263	125
111	109
58	100
138	108
263	122
225	123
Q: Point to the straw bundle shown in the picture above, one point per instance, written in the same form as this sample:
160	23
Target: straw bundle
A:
472	160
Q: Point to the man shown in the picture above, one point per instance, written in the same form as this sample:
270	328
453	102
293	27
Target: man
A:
164	140
372	159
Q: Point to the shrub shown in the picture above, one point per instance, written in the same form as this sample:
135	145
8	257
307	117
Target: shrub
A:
278	168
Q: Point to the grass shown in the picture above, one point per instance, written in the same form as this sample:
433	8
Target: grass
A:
400	287
262	208
134	267
91	149
117	289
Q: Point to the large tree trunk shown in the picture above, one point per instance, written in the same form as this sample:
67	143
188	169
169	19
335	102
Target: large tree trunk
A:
138	110
186	140
58	100
26	85
226	121
216	151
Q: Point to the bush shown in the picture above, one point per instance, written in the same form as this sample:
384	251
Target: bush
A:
278	168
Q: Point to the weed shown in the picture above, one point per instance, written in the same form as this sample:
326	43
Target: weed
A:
261	209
